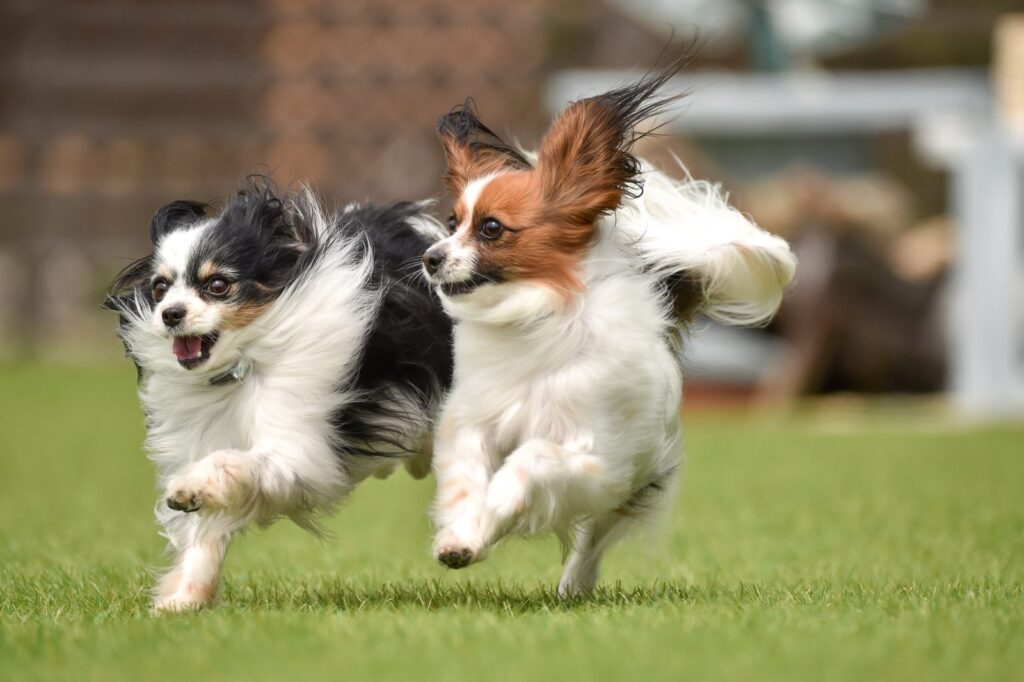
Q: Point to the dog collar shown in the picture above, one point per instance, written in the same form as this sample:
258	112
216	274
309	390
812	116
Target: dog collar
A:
237	373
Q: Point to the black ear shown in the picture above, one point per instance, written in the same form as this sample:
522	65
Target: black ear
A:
174	215
471	149
278	220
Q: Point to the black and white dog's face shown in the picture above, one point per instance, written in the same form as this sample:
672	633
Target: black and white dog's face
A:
209	277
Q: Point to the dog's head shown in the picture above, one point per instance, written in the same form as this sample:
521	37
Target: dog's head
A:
516	221
209	277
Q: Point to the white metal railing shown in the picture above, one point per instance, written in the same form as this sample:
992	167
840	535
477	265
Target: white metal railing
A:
987	346
951	118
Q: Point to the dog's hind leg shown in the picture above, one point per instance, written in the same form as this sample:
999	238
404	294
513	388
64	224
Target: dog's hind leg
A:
595	534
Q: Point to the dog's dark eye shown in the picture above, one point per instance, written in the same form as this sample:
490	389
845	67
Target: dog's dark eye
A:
491	228
159	289
453	223
217	287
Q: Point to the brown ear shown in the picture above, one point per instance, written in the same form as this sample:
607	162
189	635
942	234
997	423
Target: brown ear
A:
472	149
584	161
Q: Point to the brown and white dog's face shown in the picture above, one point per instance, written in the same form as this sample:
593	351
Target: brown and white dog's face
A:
514	221
208	277
501	233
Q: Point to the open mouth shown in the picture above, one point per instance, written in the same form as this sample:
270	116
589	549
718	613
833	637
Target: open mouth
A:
192	351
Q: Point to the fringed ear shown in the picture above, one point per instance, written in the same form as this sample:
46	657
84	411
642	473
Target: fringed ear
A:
584	161
472	149
258	205
173	216
123	287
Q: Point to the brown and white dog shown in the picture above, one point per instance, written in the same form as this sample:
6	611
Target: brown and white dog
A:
570	276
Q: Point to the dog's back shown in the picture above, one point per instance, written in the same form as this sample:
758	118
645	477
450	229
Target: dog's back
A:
407	354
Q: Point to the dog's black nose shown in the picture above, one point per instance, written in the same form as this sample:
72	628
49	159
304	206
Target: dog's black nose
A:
173	315
433	258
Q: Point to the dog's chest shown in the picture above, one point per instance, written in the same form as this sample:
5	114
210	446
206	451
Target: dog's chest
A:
188	423
606	376
517	401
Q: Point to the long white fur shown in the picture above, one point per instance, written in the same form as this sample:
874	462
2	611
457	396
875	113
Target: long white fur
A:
263	448
560	412
679	226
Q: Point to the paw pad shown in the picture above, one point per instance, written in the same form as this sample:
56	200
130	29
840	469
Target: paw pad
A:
184	502
456	557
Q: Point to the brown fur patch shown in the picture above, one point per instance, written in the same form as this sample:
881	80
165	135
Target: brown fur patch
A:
456	497
538	244
582	165
207	270
451	493
464	164
201	591
166	272
238	315
551	210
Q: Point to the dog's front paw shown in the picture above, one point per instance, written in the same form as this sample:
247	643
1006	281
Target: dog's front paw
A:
455	557
183	499
221	480
179	603
176	592
457	550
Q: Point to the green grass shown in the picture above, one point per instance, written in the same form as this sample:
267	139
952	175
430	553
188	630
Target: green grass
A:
888	548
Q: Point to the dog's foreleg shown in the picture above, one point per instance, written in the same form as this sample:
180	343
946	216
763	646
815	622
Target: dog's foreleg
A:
540	484
223	480
543	485
214	498
462	464
192	581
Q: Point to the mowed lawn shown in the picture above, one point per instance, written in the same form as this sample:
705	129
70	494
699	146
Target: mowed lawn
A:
846	548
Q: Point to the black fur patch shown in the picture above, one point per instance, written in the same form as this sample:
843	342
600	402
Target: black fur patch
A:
463	125
268	246
633	104
410	344
258	240
649	497
174	216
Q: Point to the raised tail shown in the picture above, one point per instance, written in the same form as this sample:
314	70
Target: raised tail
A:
714	259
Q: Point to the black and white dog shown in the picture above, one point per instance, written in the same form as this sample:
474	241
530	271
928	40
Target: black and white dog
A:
284	355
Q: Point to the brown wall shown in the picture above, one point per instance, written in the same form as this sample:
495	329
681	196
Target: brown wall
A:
109	108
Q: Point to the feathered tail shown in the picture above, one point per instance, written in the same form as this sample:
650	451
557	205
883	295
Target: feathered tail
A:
685	232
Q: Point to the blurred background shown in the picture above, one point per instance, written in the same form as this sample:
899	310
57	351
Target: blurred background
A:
882	137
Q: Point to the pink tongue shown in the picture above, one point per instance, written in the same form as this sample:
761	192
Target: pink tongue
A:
188	347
